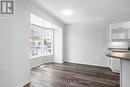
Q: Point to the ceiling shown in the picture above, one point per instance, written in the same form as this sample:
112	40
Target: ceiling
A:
85	10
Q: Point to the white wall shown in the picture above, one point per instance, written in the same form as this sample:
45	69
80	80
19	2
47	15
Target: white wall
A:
41	60
14	53
86	43
58	43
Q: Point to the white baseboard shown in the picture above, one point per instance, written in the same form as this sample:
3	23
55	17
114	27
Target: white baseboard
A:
59	62
87	63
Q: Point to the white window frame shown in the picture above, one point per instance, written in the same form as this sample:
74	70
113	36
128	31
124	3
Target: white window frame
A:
42	54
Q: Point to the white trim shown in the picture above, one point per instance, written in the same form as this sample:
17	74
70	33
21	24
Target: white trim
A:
121	73
59	62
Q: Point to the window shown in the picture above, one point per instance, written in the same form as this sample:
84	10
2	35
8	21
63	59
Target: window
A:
42	36
36	41
41	41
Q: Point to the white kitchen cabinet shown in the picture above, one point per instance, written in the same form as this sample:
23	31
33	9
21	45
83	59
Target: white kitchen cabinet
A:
120	31
115	64
119	39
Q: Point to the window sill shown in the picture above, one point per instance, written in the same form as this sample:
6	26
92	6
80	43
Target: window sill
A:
39	56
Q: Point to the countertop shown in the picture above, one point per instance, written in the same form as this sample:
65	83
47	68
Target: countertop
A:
118	50
119	53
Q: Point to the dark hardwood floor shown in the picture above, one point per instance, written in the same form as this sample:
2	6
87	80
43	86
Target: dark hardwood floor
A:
73	75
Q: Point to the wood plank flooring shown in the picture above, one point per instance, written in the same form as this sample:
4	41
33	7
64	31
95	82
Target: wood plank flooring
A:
73	75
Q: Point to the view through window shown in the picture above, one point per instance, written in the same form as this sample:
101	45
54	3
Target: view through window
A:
41	41
42	37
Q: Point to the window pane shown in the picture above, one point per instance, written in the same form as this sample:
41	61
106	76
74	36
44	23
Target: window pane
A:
41	37
36	41
48	42
41	41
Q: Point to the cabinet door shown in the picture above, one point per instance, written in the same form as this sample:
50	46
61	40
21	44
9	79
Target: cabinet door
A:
120	31
115	65
129	34
126	25
119	34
